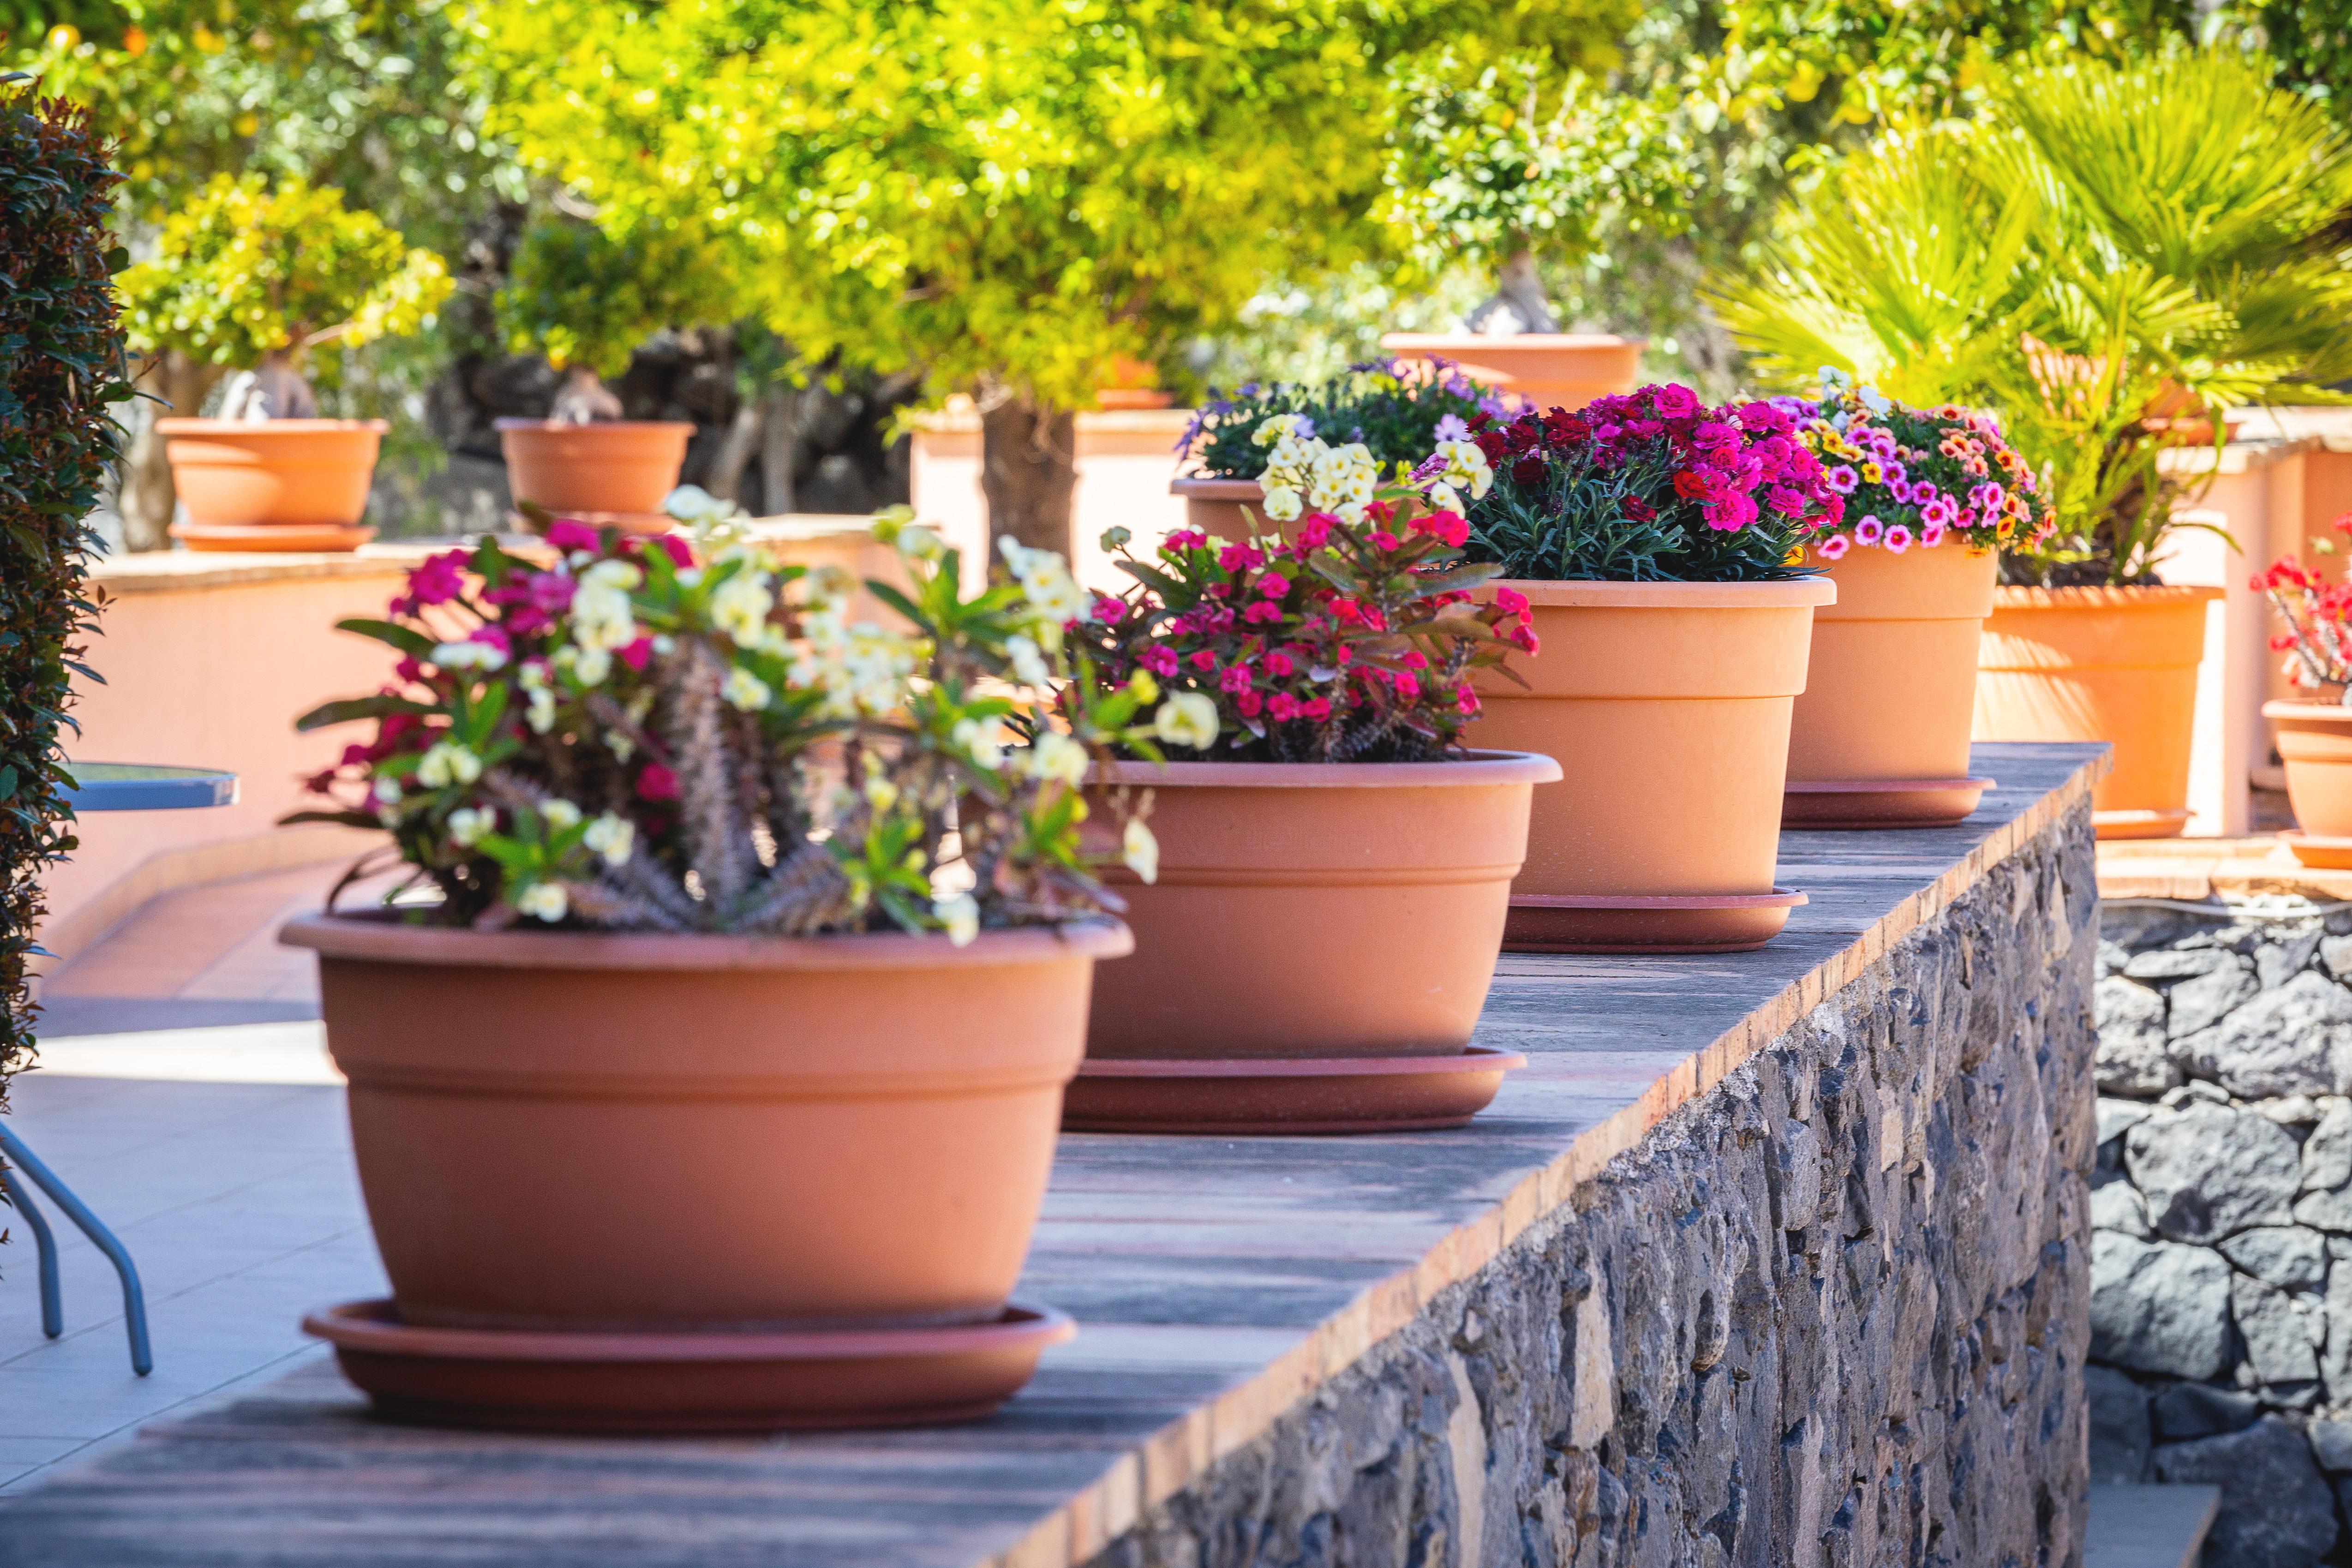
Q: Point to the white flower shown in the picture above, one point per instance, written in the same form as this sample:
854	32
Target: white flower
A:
1187	719
560	815
1466	466
689	577
880	793
447	763
600	613
1045	579
545	901
745	690
613	838
468	824
1057	756
1028	665
1344	474
541	714
533	675
980	743
620	745
1873	400
960	917
467	656
387	792
1442	496
592	666
920	544
739	605
1282	503
1142	850
694	505
1274	427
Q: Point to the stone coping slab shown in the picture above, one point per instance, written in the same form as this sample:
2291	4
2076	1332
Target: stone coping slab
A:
2198	871
1218	1284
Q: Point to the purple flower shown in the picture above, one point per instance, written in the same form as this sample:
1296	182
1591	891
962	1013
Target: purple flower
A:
1304	429
1674	402
1842	479
1937	513
1895	476
1450	429
1869	530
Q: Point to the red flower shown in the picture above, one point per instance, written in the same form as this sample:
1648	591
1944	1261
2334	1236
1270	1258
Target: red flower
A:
568	535
656	782
1528	471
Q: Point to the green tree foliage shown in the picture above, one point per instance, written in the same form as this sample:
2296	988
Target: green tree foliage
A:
579	296
61	376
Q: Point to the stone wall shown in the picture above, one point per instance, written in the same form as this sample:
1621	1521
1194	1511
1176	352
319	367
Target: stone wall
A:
1834	1311
2221	1271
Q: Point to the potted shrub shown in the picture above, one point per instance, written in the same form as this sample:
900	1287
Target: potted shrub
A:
1268	455
1880	735
1329	898
584	301
1658	545
258	280
2315	737
749	939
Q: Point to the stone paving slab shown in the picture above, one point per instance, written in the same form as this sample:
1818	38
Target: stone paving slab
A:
1217	1282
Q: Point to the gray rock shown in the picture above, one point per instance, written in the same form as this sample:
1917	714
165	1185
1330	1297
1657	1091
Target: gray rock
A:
2210	1171
2328	1152
2119	1425
2134	1055
2200	1410
2204	999
2331	1445
2118	1206
2160	1307
2295	1039
2277	1510
2325	1211
2281	1254
2195	1092
2294	1110
2117	1116
2278	1339
2112	956
2179	963
2335	952
2286	952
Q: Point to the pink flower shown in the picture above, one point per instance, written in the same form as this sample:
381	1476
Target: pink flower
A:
1869	530
1842	479
637	655
1236	678
1511	601
1318	709
1279	662
1186	539
1465	701
1835	547
1449	527
1931	536
1237	557
1898	538
1674	402
1408	687
1274	584
440	579
1110	610
1314	532
679	552
1383	541
1938	511
1203	660
567	535
1160	659
1249	702
656	782
1262	612
1282	706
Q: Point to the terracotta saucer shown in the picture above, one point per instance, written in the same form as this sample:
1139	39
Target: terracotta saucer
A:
1280	1096
1879	803
2165	823
1670	922
2318	851
322	537
753	1381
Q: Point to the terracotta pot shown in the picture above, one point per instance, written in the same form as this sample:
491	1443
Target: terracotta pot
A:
1308	910
2101	664
619	471
1890	686
2314	741
1667	705
1216	507
653	1132
1566	370
278	484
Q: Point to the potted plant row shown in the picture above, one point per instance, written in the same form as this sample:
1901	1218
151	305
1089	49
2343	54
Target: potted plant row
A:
1659	546
758	938
2314	735
1334	870
1933	498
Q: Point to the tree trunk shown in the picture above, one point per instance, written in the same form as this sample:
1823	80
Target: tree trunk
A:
149	497
1028	472
734	454
1518	303
780	421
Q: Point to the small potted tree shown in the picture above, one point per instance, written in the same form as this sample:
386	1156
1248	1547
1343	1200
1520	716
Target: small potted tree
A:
267	283
750	934
585	300
1329	902
1933	498
2314	735
1659	545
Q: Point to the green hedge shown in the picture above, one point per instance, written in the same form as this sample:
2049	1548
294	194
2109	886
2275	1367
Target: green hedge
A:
61	373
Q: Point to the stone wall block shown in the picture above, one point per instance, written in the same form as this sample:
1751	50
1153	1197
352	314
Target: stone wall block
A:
2278	1344
2296	1039
2160	1307
2277	1510
2287	950
2335	954
2210	1171
2284	1255
2135	1052
2328	1152
2203	1000
2117	1206
2189	1410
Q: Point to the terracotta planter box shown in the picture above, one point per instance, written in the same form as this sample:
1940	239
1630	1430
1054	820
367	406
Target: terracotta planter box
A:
2314	741
617	472
2101	664
1880	734
1566	370
677	1139
1668	707
1308	913
272	485
1216	507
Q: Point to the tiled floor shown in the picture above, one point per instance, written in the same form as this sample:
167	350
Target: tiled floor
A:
219	1156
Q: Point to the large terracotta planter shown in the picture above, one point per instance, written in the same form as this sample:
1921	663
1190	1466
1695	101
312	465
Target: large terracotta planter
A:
2101	664
2314	741
277	484
668	1136
1566	370
1880	734
1217	507
1308	913
1667	705
617	472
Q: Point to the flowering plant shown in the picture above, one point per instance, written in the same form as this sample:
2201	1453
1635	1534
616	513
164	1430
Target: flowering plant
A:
2318	616
1350	641
1395	411
1650	487
631	737
1919	475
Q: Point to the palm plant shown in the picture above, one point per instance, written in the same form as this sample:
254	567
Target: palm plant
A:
2108	257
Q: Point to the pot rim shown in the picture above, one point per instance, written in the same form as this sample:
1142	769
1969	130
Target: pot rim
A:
1212	487
1796	593
375	937
2101	595
1481	341
2321	712
1481	768
511	421
192	426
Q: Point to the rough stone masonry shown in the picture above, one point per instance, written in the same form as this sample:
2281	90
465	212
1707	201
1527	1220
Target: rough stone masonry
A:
1834	1312
2221	1266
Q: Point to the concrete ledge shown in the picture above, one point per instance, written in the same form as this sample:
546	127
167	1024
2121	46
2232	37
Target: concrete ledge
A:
2200	869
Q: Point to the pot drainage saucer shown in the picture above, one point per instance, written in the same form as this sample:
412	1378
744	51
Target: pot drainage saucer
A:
1662	922
319	538
1285	1096
2321	852
720	1381
2164	824
1880	802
